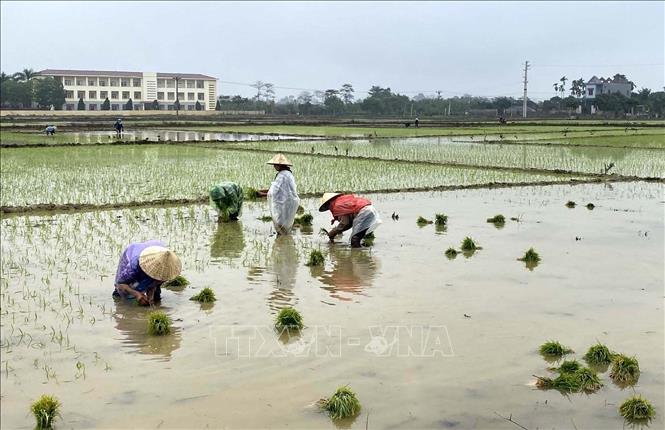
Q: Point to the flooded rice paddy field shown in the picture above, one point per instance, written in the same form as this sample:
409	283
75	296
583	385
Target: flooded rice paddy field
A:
131	173
223	366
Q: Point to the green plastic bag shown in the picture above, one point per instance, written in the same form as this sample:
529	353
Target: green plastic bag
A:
227	198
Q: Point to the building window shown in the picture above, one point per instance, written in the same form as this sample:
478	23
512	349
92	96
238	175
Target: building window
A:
102	82
69	94
92	107
190	107
124	83
199	84
125	94
170	83
103	94
201	96
92	94
80	94
181	96
114	95
91	82
171	96
590	90
190	96
161	83
68	82
137	95
170	107
160	96
190	84
137	82
113	83
80	82
115	107
69	107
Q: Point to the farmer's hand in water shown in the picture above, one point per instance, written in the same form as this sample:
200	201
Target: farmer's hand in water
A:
142	299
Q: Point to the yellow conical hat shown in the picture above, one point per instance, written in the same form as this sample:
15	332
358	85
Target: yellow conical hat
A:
325	199
280	159
160	263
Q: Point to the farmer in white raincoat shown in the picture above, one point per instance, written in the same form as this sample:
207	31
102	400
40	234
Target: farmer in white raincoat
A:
282	195
352	212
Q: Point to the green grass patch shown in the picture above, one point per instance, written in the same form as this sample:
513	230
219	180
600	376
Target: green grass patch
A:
288	318
553	348
625	370
206	295
342	404
315	258
637	409
159	324
45	410
440	219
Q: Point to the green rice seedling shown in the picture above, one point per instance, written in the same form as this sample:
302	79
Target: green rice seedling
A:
159	323
625	370
315	258
342	404
569	366
300	210
206	295
265	218
368	240
582	379
590	206
571	204
440	219
598	354
178	281
531	256
305	219
588	379
451	253
288	318
637	409
251	193
469	245
554	349
497	220
423	221
45	410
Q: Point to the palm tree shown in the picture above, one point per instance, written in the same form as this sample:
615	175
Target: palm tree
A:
25	75
556	88
4	77
562	87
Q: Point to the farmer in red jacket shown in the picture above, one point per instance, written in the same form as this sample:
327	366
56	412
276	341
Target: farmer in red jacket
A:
352	212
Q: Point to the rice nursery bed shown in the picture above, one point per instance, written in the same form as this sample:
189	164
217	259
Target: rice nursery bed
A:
136	173
63	334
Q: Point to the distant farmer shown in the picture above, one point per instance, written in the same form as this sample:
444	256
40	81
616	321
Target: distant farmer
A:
352	212
119	128
282	195
50	130
142	270
417	121
227	197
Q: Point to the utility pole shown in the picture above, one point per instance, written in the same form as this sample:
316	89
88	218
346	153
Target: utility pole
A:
524	105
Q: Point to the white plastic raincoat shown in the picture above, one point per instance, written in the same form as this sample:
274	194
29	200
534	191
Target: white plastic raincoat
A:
284	201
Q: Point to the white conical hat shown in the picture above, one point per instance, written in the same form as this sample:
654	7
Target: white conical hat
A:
160	263
325	199
280	159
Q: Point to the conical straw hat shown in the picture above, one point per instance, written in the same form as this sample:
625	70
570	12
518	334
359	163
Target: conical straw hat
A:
325	199
160	263
280	159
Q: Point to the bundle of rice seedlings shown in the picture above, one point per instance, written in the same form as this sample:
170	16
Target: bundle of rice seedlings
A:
159	323
588	379
451	253
305	219
590	206
265	218
300	210
531	256
440	219
569	366
598	354
554	349
342	404
497	219
177	282
251	193
637	409
288	318
368	240
571	204
205	296
469	245
315	258
423	221
45	410
581	379
625	370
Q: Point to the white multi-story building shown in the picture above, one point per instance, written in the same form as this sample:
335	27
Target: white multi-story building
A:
147	90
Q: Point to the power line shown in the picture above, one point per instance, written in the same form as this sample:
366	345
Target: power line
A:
598	65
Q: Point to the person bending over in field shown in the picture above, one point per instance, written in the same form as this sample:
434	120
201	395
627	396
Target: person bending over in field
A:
142	270
351	212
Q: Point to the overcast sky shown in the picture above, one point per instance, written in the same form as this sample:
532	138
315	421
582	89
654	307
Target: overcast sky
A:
477	48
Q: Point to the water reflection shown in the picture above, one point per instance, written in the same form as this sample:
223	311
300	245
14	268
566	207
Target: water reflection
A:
131	321
353	270
171	135
284	268
228	241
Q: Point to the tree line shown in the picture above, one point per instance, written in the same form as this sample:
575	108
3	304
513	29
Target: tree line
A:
22	90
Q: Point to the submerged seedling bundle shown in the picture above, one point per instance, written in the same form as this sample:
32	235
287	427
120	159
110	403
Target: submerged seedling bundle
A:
288	318
468	245
423	221
451	253
598	355
625	370
45	410
554	349
368	240
440	219
530	256
206	295
305	219
159	324
573	378
178	281
571	204
590	206
497	220
637	410
315	258
251	193
342	404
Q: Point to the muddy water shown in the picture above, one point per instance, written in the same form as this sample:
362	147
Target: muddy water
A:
224	367
170	135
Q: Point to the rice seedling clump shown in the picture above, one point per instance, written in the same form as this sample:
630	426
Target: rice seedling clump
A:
288	318
251	193
305	219
206	295
423	221
368	240
451	253
598	354
625	370
178	281
531	256
497	220
588	379
342	404
45	410
469	245
315	258
590	206
441	219
159	324
554	349
300	210
637	409
569	366
265	218
581	379
571	204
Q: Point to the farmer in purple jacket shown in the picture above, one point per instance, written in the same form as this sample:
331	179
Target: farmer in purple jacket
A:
142	270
